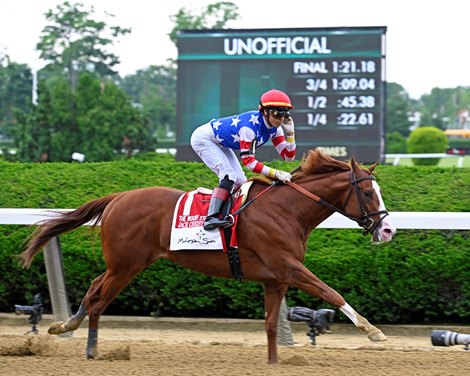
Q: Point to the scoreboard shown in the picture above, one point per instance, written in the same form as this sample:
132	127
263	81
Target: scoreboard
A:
335	78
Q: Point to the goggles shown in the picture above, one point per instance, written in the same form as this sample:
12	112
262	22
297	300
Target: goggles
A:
279	114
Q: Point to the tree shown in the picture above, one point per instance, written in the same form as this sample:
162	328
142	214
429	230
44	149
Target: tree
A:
440	108
97	120
398	109
73	42
79	109
15	93
214	16
47	133
108	124
154	88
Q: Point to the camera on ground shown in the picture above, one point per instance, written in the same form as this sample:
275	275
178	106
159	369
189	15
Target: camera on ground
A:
34	311
318	321
449	338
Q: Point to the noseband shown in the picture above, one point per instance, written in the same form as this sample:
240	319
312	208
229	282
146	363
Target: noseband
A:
365	221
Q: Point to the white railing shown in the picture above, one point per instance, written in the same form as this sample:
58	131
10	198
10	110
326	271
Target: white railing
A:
396	157
401	220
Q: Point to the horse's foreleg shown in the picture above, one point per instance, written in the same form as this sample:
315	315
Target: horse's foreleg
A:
273	294
305	280
373	333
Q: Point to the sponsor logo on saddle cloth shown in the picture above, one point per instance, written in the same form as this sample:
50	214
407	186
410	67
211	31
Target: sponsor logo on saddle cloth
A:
187	230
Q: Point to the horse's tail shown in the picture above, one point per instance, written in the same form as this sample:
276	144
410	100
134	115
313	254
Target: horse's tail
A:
65	222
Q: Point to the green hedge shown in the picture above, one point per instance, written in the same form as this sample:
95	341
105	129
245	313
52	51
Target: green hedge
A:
421	276
427	140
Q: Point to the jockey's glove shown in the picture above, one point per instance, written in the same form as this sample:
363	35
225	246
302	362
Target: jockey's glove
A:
288	126
283	176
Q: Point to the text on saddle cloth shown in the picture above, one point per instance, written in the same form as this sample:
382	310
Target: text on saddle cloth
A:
187	232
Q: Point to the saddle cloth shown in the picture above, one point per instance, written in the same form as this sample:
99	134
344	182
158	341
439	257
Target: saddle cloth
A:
187	231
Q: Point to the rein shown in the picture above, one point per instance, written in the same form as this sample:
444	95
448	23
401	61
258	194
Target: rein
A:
366	222
273	184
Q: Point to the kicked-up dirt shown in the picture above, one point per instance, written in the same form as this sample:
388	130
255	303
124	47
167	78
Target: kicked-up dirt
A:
150	346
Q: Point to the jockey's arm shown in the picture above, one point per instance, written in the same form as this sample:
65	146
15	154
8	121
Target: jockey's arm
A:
285	146
247	154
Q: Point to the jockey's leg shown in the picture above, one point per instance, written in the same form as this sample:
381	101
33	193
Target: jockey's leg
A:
219	196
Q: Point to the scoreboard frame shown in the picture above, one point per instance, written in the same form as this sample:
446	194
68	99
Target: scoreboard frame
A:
335	78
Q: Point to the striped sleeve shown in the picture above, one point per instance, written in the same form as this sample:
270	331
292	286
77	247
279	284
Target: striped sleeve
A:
286	148
247	153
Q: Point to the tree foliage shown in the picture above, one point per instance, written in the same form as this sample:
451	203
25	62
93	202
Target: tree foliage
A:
154	89
73	41
398	109
440	108
213	16
97	120
79	109
15	93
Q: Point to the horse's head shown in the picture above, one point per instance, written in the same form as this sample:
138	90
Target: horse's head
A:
351	189
365	204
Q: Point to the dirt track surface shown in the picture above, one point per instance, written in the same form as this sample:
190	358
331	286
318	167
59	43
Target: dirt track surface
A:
147	346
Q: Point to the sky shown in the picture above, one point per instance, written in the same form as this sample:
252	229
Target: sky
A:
427	42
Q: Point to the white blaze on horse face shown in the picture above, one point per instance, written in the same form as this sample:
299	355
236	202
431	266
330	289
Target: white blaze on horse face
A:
386	230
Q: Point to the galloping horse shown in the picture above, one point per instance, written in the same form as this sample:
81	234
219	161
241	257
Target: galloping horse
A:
272	234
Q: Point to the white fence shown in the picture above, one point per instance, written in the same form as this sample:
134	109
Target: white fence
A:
401	220
396	157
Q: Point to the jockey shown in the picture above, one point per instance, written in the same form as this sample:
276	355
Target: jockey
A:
215	142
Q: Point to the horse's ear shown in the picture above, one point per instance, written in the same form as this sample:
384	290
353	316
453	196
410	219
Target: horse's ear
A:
372	168
353	165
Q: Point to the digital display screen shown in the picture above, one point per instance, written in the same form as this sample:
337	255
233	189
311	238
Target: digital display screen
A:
335	78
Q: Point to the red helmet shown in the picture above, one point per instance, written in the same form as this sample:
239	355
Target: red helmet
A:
275	98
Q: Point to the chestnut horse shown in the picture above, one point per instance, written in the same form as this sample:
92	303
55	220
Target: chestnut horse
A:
272	234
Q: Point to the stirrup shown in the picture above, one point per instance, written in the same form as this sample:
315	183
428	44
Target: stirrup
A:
212	223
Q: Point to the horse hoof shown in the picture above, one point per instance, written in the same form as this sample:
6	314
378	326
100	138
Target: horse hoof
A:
57	328
91	354
377	336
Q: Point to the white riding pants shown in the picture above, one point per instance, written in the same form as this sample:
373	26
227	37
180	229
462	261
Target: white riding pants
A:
223	161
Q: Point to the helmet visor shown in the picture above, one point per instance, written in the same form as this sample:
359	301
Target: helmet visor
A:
278	113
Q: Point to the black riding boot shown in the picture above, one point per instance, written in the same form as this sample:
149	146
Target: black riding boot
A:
219	196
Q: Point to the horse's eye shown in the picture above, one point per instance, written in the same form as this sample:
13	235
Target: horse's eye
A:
368	194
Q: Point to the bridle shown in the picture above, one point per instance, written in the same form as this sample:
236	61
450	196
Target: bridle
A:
365	221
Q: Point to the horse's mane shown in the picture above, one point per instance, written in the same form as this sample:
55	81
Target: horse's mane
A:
313	162
316	162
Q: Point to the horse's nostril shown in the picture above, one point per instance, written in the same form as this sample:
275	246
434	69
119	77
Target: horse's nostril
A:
389	231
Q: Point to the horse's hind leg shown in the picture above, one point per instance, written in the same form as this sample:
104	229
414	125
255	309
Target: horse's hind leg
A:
74	322
98	297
